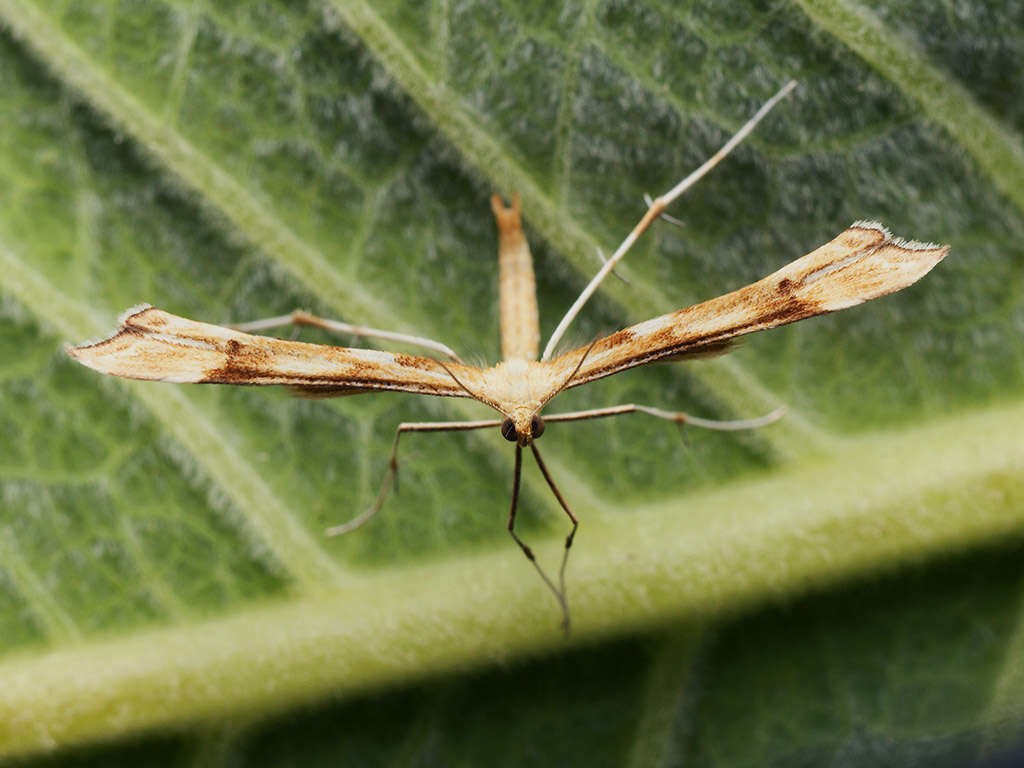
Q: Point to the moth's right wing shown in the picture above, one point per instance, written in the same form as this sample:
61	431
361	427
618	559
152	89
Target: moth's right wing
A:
157	346
861	263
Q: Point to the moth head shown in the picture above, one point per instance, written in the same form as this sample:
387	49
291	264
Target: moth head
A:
522	427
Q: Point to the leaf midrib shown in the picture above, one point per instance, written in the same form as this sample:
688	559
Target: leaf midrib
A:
883	498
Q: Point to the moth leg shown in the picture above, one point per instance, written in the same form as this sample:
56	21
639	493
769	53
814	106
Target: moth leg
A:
558	593
604	260
678	417
568	539
654	210
301	317
649	201
391	476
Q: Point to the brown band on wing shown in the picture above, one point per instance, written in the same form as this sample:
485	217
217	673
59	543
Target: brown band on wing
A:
158	346
862	263
322	393
703	352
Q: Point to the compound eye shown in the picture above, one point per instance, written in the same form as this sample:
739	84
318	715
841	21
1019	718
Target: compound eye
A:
536	427
508	430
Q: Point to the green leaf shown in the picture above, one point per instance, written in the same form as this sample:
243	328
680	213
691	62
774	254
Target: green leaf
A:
844	587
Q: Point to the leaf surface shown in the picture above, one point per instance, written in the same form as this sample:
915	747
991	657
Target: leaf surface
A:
842	587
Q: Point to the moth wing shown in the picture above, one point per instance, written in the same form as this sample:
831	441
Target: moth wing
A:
157	346
862	263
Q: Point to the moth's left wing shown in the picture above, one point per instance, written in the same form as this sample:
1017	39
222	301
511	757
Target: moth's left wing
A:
862	263
157	346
